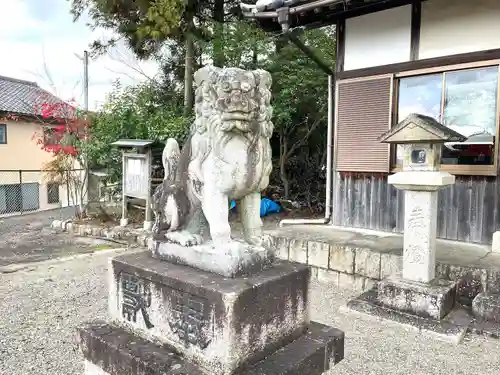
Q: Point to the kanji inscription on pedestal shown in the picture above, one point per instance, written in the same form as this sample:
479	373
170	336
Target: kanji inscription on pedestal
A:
136	297
189	318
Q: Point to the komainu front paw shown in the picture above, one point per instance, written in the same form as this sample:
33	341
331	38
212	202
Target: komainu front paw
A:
184	238
255	241
254	237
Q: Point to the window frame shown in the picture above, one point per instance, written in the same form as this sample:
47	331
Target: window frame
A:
463	169
4	126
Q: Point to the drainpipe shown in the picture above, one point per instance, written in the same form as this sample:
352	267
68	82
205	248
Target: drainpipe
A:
283	19
329	165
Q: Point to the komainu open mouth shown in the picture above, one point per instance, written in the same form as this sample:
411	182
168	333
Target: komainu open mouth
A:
236	116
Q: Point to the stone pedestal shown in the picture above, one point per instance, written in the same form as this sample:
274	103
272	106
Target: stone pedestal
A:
419	237
418	292
417	298
147	225
428	300
234	259
486	311
174	319
495	242
216	322
487	306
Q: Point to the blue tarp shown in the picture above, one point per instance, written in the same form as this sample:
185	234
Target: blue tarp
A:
267	207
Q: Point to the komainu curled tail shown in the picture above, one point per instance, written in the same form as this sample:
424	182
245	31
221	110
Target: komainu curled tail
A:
163	203
170	159
176	217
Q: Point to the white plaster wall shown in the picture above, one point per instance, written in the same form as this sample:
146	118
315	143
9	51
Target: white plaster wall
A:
451	27
378	39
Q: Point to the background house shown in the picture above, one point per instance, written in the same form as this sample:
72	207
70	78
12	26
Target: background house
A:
440	58
23	187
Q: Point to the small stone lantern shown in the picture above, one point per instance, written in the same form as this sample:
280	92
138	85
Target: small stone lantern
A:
417	291
422	138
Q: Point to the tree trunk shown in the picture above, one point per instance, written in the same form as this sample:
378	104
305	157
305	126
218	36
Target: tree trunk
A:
84	191
279	43
255	59
219	57
283	159
188	73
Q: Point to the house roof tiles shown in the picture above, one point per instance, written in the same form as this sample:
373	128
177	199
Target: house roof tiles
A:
310	13
23	97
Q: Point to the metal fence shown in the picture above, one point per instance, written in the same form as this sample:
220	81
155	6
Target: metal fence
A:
27	191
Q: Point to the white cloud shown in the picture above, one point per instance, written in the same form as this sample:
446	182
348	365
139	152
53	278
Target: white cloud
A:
35	33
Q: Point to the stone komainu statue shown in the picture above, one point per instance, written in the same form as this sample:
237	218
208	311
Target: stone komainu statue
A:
227	156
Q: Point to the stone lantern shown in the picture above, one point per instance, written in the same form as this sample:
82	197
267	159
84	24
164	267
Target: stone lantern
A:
417	291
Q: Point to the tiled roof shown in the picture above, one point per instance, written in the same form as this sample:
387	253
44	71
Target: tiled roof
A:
23	97
310	13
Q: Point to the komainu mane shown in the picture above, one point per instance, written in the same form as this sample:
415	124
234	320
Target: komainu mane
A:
227	156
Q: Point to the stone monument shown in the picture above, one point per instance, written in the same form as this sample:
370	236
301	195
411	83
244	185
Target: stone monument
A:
199	301
417	292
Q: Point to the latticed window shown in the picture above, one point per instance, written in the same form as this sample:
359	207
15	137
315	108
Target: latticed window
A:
52	193
3	134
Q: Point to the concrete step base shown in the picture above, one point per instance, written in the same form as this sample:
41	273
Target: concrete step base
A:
112	350
451	329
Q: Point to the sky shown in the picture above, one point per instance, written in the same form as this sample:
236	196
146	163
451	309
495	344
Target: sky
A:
40	42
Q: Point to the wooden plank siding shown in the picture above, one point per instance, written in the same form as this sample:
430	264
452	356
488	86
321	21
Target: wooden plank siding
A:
467	211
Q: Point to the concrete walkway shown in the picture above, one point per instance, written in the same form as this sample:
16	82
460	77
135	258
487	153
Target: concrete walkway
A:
29	238
449	252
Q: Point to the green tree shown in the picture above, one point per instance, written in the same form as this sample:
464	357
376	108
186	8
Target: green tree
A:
144	111
246	46
300	100
149	26
184	35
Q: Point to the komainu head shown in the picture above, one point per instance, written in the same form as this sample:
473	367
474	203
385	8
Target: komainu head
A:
233	100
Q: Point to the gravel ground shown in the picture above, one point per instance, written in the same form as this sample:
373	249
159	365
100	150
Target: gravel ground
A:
40	309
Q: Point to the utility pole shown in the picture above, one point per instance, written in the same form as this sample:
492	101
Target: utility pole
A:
86	80
85	60
86	106
86	176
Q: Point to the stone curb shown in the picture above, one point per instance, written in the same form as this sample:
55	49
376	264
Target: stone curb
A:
358	267
127	235
27	266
